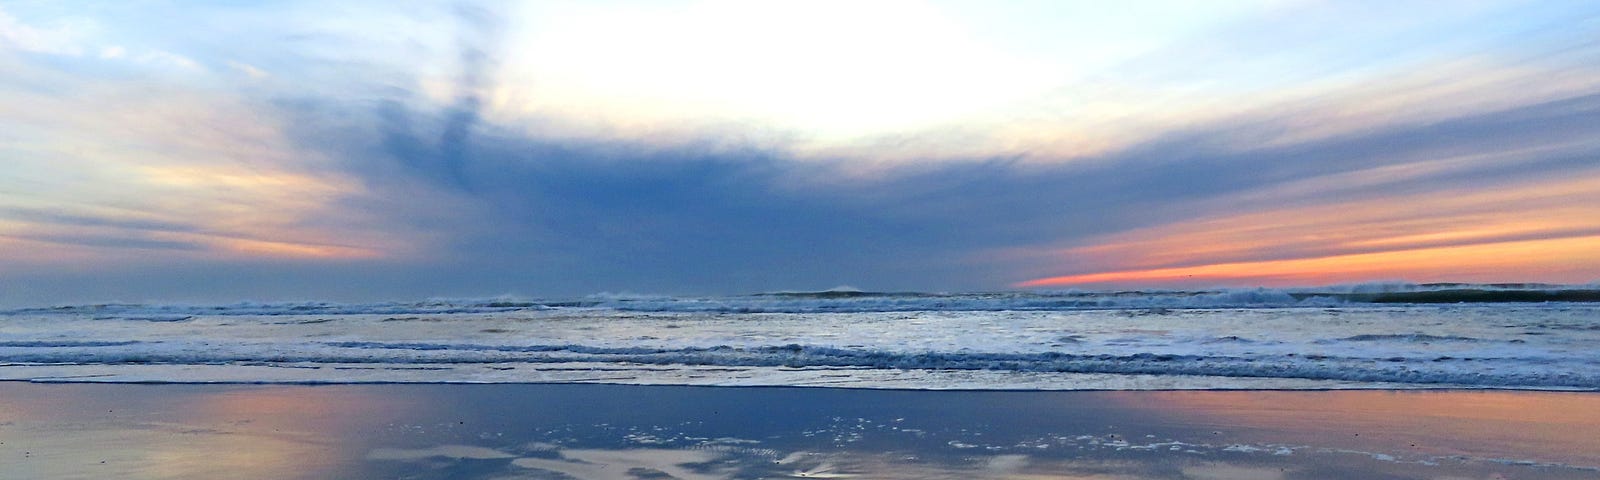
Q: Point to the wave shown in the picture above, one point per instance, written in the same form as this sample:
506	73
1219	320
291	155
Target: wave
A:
183	312
1424	370
66	343
1479	295
1405	338
1176	336
846	300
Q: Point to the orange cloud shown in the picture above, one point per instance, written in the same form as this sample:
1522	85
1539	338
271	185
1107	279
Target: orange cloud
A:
1541	231
264	248
1567	259
175	173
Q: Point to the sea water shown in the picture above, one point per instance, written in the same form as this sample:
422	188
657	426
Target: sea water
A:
1393	336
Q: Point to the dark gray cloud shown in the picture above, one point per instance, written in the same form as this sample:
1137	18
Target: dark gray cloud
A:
480	33
78	219
91	230
571	216
108	241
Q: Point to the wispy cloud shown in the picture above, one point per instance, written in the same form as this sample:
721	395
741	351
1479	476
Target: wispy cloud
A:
249	70
65	37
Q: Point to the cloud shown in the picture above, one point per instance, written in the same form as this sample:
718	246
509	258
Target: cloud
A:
1503	178
117	242
165	59
97	168
568	215
56	216
404	167
249	70
62	38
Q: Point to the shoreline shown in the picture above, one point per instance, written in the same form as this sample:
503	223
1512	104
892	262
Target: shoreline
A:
1456	389
691	375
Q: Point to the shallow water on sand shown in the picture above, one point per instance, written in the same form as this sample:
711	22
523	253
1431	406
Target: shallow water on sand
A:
633	432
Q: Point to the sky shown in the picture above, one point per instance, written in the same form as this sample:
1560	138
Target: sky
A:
366	150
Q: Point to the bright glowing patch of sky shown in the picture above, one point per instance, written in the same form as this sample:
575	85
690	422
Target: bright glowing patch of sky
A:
356	150
827	70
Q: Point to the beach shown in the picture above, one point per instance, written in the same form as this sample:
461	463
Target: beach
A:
1225	384
498	431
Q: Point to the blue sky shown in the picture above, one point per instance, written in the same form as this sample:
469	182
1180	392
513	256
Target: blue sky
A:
219	151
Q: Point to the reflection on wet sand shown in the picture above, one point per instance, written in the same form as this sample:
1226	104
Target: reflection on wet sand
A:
86	431
1548	427
629	464
630	433
650	463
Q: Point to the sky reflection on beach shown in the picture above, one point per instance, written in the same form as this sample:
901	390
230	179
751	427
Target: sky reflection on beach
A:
623	432
1550	427
185	431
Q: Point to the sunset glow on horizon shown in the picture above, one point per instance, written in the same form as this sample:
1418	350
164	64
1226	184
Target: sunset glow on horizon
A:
300	149
1545	231
1568	260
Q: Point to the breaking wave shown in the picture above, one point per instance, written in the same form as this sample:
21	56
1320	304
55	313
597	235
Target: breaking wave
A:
1415	370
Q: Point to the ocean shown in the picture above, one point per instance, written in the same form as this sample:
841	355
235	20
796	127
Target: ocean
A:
1370	336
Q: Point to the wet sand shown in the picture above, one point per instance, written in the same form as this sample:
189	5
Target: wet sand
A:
634	432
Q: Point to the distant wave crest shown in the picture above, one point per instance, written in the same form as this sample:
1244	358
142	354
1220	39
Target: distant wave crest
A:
845	300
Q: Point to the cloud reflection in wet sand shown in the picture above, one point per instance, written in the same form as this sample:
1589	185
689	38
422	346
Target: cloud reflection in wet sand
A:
1554	427
626	433
702	464
181	432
